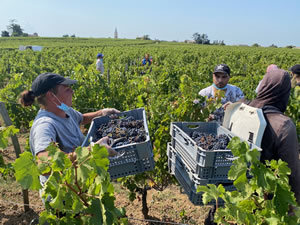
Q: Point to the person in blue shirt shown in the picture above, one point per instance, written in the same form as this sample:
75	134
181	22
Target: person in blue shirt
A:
147	60
99	63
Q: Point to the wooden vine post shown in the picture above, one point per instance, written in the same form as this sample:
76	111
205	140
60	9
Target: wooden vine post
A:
14	139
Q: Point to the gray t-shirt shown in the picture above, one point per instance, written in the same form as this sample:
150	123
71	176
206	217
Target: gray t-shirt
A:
47	127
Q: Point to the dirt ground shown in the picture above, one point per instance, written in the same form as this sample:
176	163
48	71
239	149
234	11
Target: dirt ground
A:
165	207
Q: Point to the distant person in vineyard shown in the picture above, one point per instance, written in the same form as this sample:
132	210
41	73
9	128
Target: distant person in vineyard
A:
56	120
99	63
280	137
269	68
295	75
221	76
147	60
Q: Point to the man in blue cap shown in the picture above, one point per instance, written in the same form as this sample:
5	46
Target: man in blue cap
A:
99	63
221	76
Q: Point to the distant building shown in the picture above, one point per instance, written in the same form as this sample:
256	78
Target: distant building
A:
189	41
116	34
33	35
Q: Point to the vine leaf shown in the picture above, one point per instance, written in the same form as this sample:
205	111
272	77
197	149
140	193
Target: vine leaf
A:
58	201
282	200
27	172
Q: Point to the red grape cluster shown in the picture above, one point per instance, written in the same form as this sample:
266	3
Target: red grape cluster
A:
128	129
210	141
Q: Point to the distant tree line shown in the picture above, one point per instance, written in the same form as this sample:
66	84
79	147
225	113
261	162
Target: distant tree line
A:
202	39
15	30
66	35
144	37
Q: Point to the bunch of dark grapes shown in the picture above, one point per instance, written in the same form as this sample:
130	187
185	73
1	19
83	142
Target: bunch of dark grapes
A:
210	141
128	130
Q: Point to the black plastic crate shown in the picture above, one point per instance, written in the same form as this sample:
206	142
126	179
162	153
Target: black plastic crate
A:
137	157
189	181
204	172
195	155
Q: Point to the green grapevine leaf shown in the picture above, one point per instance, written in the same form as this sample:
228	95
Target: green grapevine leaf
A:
47	218
241	182
27	172
273	221
202	188
283	168
282	199
52	149
58	201
253	156
44	168
84	172
77	204
96	210
60	161
82	154
237	169
247	205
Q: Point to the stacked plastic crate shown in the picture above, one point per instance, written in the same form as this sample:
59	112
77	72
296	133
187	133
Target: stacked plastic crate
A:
193	166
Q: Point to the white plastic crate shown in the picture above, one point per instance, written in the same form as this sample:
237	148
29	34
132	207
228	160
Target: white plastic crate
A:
189	181
245	121
137	157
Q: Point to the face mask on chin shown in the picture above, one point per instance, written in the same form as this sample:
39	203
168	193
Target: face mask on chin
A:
223	88
62	105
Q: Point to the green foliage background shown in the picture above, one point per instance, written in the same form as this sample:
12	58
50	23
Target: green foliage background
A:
166	90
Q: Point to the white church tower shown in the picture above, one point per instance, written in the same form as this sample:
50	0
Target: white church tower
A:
116	34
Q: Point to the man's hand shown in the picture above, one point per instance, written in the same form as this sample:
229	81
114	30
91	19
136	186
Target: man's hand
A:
109	111
104	142
211	117
72	156
88	117
226	104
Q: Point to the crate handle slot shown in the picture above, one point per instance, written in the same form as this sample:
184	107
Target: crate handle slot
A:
185	139
231	158
180	164
119	155
191	126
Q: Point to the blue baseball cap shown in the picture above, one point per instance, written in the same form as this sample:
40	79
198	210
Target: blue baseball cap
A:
222	68
99	55
295	69
45	81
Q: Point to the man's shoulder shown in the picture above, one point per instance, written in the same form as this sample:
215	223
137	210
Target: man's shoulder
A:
236	90
233	87
46	117
43	120
206	91
280	121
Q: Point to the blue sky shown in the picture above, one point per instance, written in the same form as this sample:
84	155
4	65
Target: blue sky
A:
264	22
